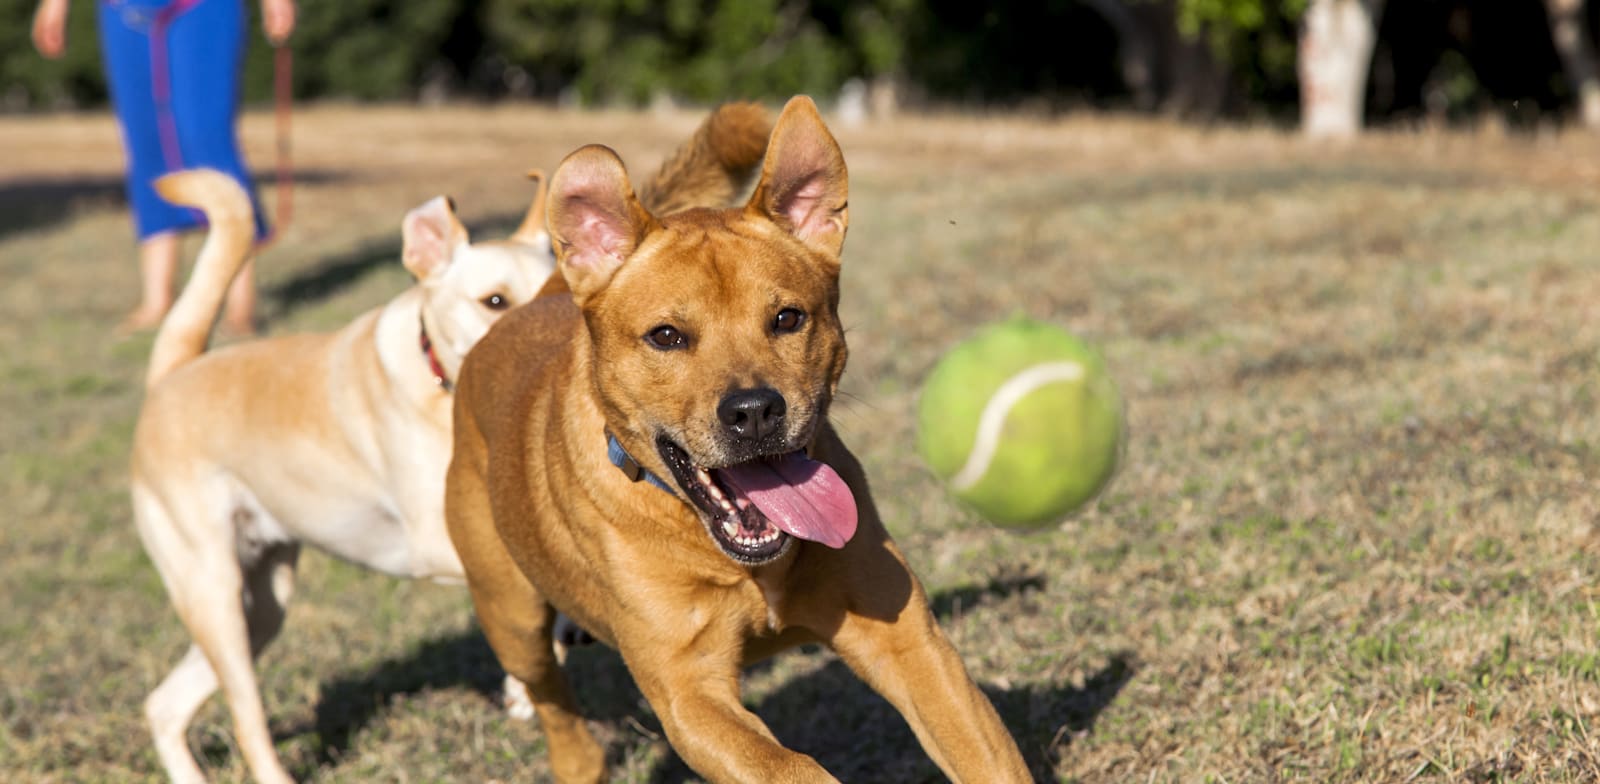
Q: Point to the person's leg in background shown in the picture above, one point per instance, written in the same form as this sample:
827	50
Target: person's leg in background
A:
158	271
173	68
206	52
126	52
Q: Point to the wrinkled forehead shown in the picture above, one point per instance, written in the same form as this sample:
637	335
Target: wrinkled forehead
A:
721	263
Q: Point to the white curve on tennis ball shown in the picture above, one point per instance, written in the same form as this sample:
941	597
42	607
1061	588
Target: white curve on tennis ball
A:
992	422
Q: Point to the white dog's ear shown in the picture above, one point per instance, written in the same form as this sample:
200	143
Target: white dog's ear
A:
431	233
804	185
596	220
533	231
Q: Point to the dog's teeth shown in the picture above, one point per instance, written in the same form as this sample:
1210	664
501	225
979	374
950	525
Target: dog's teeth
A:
710	487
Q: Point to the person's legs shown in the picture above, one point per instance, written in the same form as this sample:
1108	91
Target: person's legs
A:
207	44
158	271
239	315
126	49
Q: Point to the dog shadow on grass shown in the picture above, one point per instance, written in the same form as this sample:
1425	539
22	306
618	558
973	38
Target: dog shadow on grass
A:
858	736
828	713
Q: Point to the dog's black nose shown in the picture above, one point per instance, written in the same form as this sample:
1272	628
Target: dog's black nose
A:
752	414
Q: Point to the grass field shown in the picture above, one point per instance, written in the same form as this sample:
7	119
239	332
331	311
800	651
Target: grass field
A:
1354	540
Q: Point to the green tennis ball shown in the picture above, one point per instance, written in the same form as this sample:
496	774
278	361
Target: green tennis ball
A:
1022	422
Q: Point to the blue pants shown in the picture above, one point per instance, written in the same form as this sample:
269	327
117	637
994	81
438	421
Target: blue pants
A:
173	68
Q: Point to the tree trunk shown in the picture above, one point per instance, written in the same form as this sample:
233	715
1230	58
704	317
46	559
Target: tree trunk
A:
1335	52
1571	34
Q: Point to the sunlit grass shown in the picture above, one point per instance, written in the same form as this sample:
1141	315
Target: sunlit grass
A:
1353	539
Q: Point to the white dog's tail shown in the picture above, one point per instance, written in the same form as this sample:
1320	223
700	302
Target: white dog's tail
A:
231	237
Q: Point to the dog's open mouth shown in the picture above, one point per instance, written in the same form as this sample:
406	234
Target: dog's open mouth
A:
755	509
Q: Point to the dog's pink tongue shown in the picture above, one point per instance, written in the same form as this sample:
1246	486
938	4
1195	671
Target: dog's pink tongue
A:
799	495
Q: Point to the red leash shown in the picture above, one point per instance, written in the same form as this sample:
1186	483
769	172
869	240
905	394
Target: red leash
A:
282	98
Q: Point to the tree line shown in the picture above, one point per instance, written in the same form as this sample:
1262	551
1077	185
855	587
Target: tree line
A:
1191	58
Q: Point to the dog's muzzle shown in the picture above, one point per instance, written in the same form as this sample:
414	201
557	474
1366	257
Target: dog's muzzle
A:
754	508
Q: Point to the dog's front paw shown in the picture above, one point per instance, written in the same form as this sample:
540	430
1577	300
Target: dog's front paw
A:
519	705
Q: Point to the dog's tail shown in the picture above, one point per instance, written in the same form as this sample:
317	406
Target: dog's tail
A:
231	237
532	230
715	165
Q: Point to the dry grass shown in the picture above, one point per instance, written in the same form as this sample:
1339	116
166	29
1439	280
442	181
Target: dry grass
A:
1354	538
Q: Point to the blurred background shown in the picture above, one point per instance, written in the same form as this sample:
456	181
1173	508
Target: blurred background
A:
1517	62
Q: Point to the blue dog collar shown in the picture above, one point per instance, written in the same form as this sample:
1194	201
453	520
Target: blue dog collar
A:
621	459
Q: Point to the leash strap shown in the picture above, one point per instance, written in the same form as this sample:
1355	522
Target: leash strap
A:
630	468
282	100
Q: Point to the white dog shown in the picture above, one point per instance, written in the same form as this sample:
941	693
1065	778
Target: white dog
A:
339	440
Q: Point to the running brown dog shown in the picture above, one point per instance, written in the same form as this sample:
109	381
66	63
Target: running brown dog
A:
697	351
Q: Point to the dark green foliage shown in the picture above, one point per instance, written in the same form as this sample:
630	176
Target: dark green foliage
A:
1042	53
1255	39
1225	19
28	80
604	50
365	49
1010	50
703	50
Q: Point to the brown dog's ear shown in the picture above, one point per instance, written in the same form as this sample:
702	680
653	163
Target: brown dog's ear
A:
532	231
804	186
431	233
595	221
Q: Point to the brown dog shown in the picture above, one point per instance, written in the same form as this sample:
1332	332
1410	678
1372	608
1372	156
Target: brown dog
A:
698	351
336	440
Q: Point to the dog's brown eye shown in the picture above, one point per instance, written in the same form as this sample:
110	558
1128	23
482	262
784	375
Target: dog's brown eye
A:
788	320
667	338
495	302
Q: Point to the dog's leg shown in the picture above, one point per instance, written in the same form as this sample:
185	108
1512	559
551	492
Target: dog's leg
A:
903	655
690	674
171	707
263	591
231	609
567	635
268	583
519	624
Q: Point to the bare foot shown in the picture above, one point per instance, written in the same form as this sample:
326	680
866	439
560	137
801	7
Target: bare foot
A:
142	319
